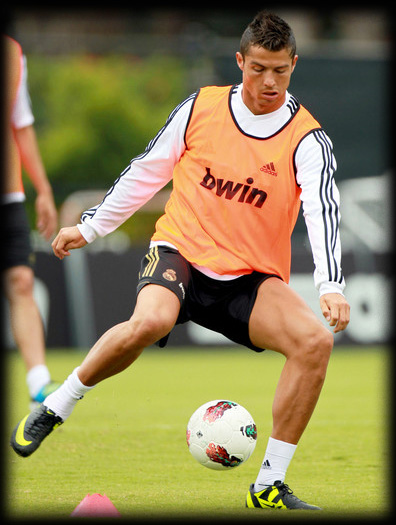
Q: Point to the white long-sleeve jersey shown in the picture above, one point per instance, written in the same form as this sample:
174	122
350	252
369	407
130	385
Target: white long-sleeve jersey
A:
315	166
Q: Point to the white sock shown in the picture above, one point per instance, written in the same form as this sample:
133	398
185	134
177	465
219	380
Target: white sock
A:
64	399
276	461
36	378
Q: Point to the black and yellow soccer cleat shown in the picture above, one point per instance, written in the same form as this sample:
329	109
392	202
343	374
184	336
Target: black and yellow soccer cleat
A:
276	496
30	432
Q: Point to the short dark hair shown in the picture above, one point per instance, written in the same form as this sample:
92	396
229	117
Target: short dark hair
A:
269	31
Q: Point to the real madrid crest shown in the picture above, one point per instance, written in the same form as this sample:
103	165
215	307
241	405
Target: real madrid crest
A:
169	275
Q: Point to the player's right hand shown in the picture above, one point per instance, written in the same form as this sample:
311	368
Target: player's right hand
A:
67	239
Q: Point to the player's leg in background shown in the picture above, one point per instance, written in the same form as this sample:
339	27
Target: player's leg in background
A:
26	323
283	322
27	330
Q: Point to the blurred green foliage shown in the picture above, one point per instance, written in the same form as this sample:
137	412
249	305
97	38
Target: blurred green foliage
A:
93	114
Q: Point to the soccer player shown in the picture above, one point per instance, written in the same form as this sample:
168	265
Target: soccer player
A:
16	258
242	159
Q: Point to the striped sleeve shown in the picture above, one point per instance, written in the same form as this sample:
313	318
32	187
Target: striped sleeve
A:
316	165
146	174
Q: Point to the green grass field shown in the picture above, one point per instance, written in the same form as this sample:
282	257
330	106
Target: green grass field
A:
126	438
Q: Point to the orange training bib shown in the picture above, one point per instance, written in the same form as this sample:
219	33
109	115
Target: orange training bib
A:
235	199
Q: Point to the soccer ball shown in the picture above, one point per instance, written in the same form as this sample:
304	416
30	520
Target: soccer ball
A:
221	435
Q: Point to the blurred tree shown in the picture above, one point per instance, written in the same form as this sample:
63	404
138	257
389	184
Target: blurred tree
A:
94	114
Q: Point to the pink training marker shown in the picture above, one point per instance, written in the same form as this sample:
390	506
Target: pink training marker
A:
96	505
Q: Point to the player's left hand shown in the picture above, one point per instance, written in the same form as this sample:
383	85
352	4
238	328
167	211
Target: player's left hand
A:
336	310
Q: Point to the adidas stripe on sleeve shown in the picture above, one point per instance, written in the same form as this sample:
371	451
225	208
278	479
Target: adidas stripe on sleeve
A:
142	179
316	165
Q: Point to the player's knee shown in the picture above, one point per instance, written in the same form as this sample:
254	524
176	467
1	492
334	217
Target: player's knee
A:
20	282
316	352
148	329
311	352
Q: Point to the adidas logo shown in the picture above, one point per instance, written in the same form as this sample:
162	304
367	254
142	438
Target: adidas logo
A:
270	169
266	465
